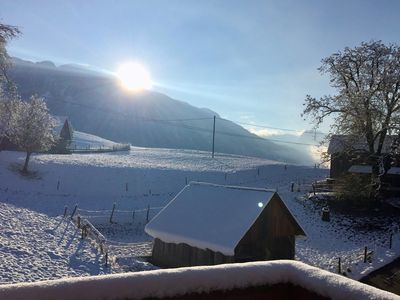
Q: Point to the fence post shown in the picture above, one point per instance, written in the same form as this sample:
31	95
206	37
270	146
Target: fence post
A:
133	216
258	171
292	187
226	175
79	221
339	266
365	254
112	212
313	187
147	214
58	184
186	181
391	241
126	187
65	210
74	211
106	259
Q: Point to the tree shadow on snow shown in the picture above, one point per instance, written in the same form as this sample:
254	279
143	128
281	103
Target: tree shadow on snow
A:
30	175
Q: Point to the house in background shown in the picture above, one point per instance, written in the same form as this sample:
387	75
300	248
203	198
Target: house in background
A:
207	224
64	132
346	151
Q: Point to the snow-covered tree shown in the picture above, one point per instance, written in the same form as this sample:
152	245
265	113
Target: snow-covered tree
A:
33	127
7	32
8	93
366	105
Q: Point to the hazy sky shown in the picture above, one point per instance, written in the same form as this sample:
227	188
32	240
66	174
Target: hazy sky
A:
250	61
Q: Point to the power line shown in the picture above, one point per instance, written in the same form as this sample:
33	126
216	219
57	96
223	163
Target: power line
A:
185	126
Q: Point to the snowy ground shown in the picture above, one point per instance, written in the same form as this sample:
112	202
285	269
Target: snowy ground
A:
84	140
34	246
143	177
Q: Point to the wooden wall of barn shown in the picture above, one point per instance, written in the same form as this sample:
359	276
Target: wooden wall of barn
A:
182	255
272	236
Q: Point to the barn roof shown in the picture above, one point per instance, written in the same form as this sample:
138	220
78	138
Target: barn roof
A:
209	216
341	143
367	169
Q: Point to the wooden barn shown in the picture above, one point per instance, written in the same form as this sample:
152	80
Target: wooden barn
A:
207	224
346	151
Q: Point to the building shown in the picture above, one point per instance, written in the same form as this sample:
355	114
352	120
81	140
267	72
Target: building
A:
64	132
207	224
346	151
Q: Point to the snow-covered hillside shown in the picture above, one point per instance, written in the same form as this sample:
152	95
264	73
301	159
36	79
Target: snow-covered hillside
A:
145	178
96	104
86	140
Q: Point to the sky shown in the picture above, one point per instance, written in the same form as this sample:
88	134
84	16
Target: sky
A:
250	61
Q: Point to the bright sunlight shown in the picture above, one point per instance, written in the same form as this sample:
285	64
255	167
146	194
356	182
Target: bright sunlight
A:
134	76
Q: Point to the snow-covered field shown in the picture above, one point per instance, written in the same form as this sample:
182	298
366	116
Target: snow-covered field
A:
145	178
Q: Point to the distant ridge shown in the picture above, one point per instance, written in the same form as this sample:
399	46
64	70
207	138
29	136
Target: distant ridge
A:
96	104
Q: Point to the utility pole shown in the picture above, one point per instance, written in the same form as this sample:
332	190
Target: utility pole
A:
213	143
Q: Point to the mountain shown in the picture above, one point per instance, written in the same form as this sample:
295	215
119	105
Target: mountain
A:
96	104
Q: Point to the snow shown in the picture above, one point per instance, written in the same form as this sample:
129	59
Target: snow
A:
34	246
209	216
340	143
152	177
59	124
163	283
363	169
367	169
84	140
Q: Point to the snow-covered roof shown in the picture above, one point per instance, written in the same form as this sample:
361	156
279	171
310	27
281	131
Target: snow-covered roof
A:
341	143
367	169
209	216
363	169
59	122
195	280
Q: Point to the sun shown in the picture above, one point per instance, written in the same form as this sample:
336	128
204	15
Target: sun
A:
134	76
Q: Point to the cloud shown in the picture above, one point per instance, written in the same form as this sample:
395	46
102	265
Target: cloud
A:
275	132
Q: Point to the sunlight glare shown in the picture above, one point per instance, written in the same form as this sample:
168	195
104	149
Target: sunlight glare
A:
134	76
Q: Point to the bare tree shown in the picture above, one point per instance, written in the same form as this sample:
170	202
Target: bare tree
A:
367	103
33	128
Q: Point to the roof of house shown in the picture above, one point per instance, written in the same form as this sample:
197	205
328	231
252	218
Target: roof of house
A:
367	169
210	216
341	143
